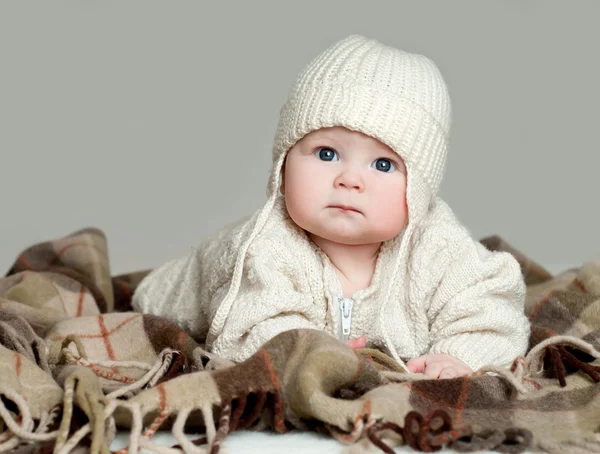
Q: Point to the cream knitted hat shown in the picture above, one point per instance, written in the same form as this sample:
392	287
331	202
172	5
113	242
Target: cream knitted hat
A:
394	96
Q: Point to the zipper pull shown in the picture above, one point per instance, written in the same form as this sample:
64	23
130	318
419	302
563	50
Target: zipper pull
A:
346	311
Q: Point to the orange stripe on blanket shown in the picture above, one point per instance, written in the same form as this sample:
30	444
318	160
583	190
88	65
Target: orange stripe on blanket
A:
23	259
540	304
105	335
580	285
164	414
114	375
151	430
96	336
464	392
180	339
82	291
279	419
18	364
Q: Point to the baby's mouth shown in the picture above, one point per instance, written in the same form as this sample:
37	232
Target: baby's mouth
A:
345	208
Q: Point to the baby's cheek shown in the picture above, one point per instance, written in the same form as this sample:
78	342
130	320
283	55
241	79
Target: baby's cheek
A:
391	214
392	222
299	202
294	207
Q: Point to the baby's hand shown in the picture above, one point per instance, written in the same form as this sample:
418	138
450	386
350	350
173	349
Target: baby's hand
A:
438	366
358	343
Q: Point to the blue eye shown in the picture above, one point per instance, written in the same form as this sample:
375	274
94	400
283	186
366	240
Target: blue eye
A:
327	154
384	165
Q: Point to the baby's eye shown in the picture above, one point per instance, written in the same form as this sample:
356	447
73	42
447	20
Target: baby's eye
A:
327	154
384	165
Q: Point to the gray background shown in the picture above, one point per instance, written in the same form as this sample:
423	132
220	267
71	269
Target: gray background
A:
154	120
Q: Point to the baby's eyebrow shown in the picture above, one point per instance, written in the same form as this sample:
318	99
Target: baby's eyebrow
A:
314	144
385	153
392	154
324	138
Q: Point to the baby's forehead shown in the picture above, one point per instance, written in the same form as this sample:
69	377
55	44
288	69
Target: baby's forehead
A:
345	137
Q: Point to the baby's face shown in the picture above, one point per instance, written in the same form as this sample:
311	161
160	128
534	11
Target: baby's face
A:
345	187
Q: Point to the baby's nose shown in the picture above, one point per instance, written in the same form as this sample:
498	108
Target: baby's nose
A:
350	180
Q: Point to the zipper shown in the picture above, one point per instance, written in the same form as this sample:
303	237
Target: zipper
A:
346	317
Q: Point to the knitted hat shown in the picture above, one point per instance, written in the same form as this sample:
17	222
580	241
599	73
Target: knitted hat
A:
394	96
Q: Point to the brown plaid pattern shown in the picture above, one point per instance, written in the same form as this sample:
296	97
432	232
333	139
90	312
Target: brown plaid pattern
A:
72	353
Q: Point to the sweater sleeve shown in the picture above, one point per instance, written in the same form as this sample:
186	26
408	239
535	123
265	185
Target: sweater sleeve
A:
173	291
477	312
273	297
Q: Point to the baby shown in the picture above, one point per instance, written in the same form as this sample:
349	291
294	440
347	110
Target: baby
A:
353	239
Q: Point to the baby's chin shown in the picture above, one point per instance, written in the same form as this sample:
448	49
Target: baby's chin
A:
350	232
349	238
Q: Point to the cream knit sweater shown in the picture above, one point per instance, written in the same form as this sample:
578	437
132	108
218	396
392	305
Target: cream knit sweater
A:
434	289
450	295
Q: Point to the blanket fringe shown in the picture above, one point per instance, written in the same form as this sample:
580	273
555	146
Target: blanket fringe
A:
23	426
416	432
154	374
231	419
555	348
532	366
534	363
434	431
422	433
27	344
25	430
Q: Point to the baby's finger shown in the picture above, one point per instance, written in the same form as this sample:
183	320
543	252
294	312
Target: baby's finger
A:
448	372
358	343
417	365
460	371
433	370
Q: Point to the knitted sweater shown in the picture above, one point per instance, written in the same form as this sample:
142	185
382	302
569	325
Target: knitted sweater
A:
449	295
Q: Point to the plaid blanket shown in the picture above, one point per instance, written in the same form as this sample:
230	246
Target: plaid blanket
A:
76	364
